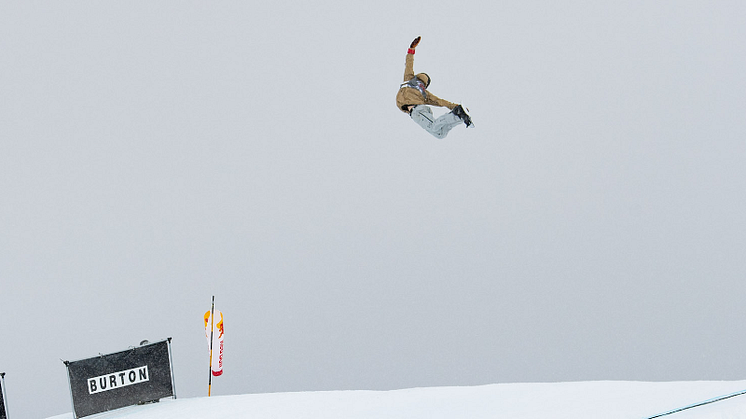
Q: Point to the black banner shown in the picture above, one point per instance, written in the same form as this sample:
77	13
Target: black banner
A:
138	375
3	408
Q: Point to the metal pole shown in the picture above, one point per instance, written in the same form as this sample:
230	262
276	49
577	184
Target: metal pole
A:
4	396
70	385
171	364
212	321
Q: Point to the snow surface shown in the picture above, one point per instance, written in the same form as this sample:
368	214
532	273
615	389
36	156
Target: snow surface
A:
600	399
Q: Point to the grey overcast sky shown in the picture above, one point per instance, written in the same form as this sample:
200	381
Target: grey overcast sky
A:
156	153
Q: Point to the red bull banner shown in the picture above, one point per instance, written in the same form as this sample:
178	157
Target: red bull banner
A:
214	330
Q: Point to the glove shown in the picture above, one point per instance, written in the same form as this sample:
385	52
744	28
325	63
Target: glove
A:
413	45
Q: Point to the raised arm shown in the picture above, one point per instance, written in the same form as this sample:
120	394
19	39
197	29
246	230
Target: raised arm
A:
409	63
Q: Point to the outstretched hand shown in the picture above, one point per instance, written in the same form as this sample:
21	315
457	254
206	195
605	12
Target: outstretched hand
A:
414	43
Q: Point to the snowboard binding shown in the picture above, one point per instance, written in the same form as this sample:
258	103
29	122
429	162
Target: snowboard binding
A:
460	111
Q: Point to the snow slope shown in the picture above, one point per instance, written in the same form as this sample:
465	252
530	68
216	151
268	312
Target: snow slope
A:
602	399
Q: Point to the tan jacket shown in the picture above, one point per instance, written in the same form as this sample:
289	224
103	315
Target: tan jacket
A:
411	96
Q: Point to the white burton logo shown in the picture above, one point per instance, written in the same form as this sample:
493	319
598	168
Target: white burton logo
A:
118	379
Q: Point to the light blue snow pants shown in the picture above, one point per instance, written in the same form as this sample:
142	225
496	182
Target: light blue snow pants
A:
423	115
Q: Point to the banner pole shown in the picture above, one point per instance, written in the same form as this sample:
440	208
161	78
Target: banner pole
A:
3	396
171	364
212	321
70	385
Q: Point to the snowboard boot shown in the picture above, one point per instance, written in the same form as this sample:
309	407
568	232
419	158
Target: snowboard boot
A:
461	113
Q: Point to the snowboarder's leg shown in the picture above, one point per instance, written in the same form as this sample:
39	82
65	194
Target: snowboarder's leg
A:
439	127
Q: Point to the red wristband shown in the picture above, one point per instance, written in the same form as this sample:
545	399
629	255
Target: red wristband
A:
410	51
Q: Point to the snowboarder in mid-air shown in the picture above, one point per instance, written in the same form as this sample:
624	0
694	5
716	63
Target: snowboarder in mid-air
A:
413	99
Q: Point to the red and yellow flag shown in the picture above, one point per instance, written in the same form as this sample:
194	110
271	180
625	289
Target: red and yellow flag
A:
217	341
